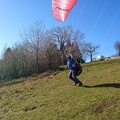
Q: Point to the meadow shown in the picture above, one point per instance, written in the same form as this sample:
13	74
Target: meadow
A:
52	96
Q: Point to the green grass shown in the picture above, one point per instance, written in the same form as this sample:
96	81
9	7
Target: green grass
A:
52	96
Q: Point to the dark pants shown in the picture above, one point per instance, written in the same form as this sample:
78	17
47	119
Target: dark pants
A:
72	76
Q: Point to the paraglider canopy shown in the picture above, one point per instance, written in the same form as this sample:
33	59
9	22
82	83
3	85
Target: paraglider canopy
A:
61	8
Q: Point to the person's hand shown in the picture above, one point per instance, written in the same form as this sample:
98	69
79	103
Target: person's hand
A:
73	65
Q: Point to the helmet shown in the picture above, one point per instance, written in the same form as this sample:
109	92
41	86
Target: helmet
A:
71	56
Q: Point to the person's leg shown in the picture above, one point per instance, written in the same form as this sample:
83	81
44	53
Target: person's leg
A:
70	76
76	80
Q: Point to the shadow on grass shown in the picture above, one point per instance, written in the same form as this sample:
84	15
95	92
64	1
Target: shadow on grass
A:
115	85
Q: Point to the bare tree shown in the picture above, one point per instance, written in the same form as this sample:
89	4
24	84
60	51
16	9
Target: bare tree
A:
50	55
61	35
90	49
64	37
117	46
34	39
82	47
25	60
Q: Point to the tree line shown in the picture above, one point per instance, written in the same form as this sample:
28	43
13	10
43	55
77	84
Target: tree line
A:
42	49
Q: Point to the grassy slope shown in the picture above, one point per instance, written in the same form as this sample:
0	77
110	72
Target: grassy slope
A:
55	98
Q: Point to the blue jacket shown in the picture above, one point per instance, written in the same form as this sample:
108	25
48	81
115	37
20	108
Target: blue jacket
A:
70	63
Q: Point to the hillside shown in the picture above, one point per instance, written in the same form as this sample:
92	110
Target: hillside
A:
52	96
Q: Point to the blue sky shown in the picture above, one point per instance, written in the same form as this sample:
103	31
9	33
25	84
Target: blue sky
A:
99	20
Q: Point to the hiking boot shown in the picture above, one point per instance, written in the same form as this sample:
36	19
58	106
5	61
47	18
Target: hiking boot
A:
75	84
80	84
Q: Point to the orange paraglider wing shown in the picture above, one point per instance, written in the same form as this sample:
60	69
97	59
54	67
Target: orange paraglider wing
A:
61	8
